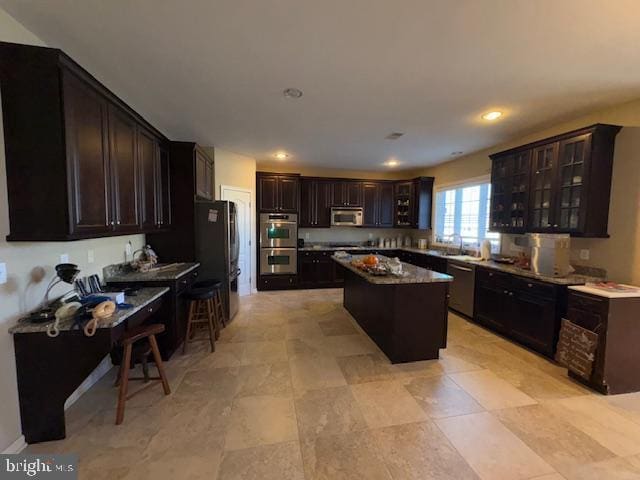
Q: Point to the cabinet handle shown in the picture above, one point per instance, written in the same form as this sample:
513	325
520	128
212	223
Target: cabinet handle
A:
556	225
529	285
118	222
506	292
511	294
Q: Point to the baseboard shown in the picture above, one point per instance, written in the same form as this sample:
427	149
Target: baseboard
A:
16	447
99	372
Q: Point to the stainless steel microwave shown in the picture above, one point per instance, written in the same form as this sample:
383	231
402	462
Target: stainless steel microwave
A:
346	216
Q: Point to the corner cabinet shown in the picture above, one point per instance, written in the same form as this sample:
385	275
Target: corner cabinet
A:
277	192
550	185
413	200
80	162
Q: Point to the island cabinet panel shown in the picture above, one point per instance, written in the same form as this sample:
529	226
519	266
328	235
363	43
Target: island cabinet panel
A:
81	178
278	192
526	310
556	185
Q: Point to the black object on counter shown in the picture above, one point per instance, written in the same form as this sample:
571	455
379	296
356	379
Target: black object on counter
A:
301	243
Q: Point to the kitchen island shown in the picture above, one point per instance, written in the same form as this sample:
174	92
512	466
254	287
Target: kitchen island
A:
406	315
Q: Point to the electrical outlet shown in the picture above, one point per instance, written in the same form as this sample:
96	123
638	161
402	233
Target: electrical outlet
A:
307	236
64	258
91	256
3	273
370	235
584	254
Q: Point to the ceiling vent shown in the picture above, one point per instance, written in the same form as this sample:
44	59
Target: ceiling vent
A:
394	136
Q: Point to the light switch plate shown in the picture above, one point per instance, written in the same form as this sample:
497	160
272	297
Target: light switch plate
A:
584	254
128	248
64	258
91	256
3	273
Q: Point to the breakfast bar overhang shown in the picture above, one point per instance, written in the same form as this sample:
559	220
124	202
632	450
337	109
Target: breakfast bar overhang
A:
405	315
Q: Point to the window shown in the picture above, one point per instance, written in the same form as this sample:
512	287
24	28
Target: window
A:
463	212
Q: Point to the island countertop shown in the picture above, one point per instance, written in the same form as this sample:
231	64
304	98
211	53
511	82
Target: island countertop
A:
411	274
143	297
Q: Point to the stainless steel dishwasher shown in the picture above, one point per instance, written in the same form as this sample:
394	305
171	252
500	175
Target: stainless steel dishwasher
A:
462	288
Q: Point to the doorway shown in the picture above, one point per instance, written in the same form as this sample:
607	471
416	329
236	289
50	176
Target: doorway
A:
242	198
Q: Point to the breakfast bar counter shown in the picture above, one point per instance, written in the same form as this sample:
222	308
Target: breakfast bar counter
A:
405	315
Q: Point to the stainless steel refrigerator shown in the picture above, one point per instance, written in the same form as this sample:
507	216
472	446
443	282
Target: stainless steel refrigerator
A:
218	248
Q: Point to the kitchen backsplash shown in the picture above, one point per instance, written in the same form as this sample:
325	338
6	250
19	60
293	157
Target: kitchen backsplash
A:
351	234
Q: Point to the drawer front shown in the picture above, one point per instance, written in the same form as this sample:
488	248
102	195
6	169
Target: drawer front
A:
586	302
493	278
534	287
145	313
185	282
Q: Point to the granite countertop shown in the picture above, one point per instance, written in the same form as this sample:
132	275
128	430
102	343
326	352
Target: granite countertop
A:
411	274
572	279
592	290
123	273
143	297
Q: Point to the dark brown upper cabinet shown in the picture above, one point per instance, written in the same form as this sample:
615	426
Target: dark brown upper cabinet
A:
204	175
412	203
510	192
568	175
315	203
278	192
377	203
73	152
346	193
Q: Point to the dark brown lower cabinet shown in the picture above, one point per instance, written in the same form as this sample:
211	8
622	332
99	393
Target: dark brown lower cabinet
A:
318	270
277	282
525	310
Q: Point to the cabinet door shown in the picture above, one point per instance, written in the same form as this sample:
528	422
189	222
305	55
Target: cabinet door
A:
86	135
147	161
323	204
164	188
541	198
308	198
519	192
493	307
124	170
306	269
204	175
267	193
500	193
353	194
385	205
572	167
534	321
288	194
324	269
370	204
338	194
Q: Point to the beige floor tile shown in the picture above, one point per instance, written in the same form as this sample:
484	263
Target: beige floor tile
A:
281	461
387	403
555	440
267	379
420	451
307	329
261	420
351	456
614	469
226	355
256	353
441	397
491	391
365	368
207	383
193	467
602	423
492	450
310	372
328	411
337	327
550	476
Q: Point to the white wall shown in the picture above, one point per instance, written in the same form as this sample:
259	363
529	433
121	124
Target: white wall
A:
235	170
19	295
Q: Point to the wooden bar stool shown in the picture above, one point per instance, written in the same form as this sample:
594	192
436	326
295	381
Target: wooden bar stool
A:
202	311
217	305
139	336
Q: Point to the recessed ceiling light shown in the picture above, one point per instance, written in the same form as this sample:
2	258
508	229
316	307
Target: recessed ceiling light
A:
391	163
292	93
492	115
281	155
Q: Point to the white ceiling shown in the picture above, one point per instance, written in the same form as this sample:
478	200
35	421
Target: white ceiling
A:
213	71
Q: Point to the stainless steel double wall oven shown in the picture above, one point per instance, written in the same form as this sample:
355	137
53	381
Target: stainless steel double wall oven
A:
278	243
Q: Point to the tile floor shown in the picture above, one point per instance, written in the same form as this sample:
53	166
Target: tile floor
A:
295	390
